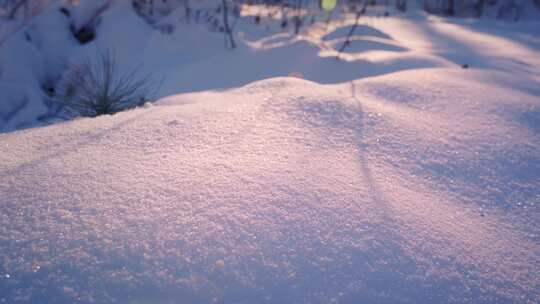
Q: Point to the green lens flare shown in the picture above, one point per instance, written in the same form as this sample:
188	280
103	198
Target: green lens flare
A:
328	5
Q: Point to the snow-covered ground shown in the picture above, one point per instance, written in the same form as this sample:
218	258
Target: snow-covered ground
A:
393	175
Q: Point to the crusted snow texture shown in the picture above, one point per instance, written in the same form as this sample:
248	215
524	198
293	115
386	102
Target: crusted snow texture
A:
414	187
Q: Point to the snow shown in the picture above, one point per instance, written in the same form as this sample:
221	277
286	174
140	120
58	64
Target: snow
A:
283	190
275	173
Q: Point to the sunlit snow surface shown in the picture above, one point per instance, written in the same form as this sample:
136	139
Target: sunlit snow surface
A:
282	191
395	176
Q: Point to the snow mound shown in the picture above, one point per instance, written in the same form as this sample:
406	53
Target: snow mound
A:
413	187
361	30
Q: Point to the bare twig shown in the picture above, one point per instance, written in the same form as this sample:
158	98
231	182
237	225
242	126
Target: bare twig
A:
353	28
226	26
15	9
